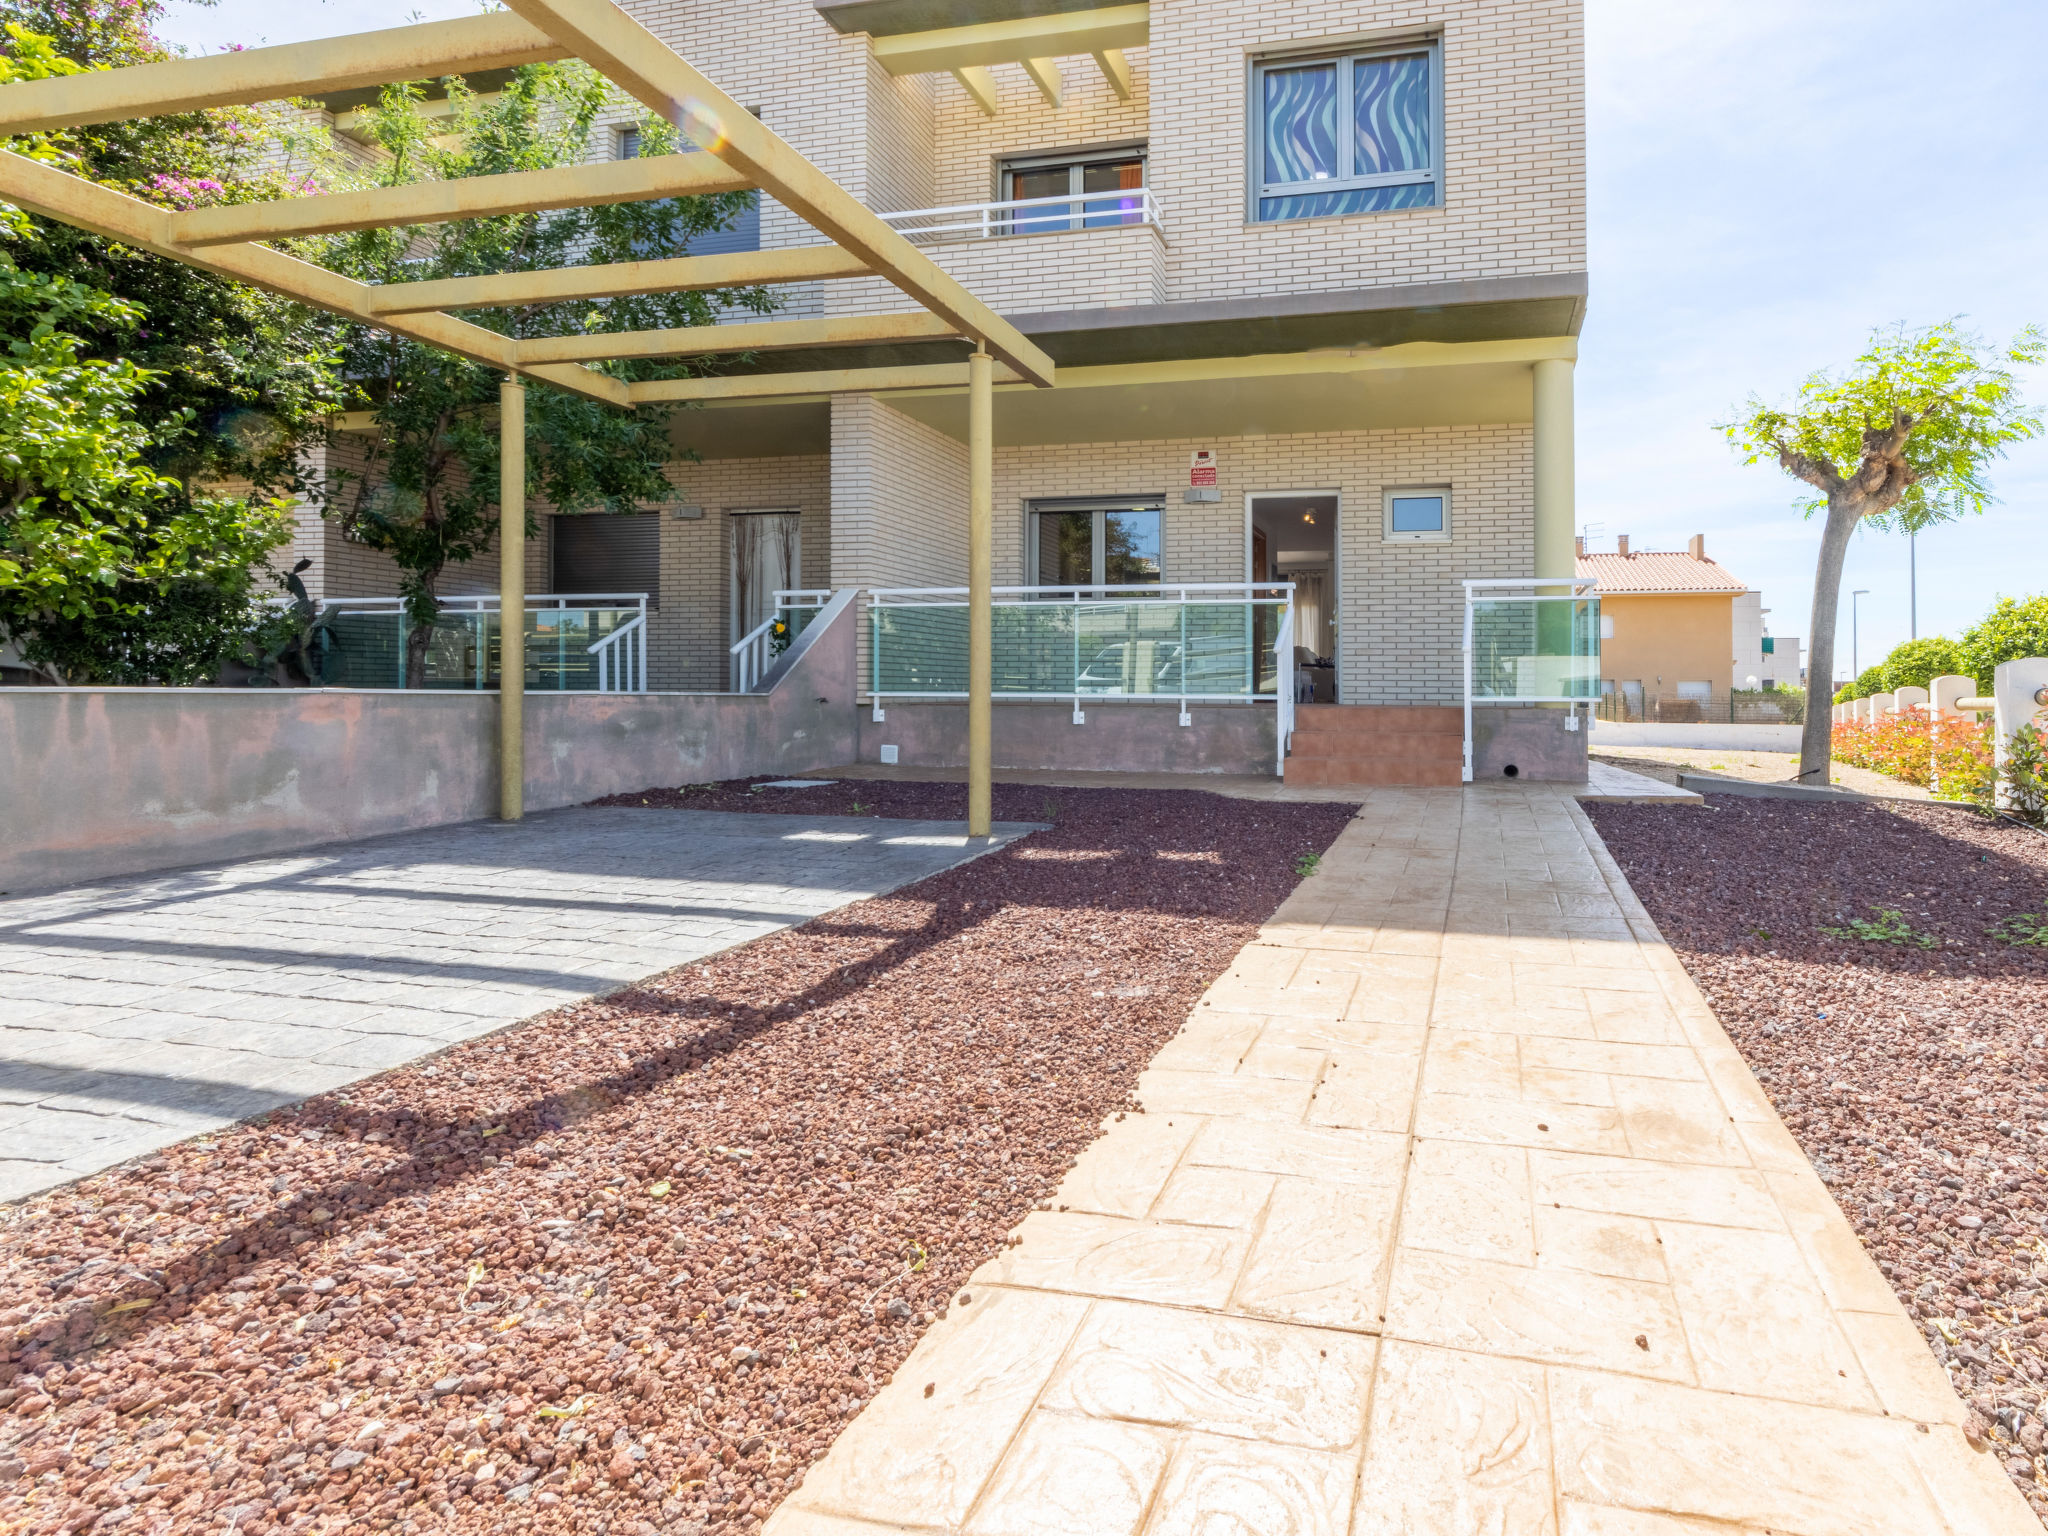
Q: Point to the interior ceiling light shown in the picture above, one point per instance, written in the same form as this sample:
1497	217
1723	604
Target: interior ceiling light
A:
1309	518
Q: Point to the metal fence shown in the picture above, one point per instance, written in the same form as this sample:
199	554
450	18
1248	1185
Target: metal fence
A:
1623	702
755	651
579	642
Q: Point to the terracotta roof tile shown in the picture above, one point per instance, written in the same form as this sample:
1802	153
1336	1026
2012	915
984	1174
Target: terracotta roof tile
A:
1657	571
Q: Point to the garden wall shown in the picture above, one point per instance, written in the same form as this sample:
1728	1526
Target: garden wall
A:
1117	736
115	781
1706	737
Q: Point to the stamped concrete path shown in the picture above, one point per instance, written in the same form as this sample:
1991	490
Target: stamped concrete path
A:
135	1013
1453	1211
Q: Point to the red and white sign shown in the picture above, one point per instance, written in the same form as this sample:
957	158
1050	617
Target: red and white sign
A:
1202	469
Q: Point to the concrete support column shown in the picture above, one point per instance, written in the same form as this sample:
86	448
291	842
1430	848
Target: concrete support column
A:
981	480
511	599
1555	473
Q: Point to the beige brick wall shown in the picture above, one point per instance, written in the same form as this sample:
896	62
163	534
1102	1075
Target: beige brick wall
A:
971	144
688	640
899	503
1071	269
1400	608
1514	130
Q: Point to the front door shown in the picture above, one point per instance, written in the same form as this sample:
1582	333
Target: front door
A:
1294	537
767	557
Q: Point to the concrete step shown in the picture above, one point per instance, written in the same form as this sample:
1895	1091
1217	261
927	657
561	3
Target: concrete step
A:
1380	772
1418	744
1433	719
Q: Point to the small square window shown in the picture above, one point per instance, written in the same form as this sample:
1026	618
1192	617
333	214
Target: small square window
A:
1418	515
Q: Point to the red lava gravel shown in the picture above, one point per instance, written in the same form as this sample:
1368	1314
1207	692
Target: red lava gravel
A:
1912	1064
628	1267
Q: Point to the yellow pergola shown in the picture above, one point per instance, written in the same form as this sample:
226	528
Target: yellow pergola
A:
742	153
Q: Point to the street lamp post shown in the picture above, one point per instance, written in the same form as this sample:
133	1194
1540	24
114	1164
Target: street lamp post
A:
1856	634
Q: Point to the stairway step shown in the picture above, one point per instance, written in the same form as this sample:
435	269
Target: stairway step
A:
1431	718
1414	772
1331	744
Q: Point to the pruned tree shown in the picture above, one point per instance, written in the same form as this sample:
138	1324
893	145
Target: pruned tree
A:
427	495
1901	440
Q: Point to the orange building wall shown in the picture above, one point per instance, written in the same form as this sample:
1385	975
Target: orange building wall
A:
1661	641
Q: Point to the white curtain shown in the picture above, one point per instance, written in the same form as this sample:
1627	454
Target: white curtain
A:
766	558
1308	610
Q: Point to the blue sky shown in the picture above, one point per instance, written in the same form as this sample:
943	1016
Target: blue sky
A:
1769	180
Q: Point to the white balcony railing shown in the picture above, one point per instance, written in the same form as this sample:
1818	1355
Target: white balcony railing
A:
576	642
1201	642
756	650
1030	216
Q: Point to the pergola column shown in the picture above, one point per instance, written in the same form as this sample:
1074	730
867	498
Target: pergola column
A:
511	599
1554	469
980	589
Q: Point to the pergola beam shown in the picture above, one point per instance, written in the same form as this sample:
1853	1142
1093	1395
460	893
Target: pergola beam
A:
1045	74
40	189
1060	35
468	197
980	87
647	69
755	336
1116	69
425	52
674	274
777	386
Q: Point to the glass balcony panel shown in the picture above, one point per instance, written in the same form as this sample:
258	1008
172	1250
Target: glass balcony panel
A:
1536	648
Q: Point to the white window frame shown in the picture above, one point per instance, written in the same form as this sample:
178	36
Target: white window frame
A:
1345	180
1427	536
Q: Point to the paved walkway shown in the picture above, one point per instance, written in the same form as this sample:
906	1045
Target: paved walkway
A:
1453	1211
136	1013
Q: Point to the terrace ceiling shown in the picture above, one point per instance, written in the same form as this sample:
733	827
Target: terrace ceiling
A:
742	153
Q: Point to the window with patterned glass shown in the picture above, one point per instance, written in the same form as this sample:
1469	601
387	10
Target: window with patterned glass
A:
1351	133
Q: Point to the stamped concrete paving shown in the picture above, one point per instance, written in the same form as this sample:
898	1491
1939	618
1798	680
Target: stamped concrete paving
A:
1453	1211
136	1013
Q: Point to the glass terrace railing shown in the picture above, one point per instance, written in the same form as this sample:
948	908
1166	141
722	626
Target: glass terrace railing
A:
1205	641
575	642
1530	642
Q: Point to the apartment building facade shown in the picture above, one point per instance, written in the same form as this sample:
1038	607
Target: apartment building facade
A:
1312	276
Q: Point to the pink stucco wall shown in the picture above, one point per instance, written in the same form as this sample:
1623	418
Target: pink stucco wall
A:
1117	738
96	782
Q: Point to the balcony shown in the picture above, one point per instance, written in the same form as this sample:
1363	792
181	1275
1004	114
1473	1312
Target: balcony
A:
1102	250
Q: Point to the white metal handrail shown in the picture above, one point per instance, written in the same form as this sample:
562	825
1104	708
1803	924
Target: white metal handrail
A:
1119	209
487	602
622	667
1283	653
753	652
1212	592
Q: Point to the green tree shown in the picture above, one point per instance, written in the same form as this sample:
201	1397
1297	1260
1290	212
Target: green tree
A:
1870	680
91	534
428	495
2012	629
210	383
1917	663
1901	439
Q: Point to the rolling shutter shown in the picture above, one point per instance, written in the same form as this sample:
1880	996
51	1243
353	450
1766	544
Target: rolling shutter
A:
609	552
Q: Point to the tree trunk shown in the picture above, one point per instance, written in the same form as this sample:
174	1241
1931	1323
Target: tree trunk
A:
417	638
1816	737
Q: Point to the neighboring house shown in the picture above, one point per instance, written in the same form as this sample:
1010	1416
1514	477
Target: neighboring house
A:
1679	632
1301	269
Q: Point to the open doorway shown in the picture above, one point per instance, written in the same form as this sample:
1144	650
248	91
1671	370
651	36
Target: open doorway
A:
1293	537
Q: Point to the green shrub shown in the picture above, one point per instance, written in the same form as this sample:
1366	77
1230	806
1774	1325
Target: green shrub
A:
1870	680
2012	629
1916	663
